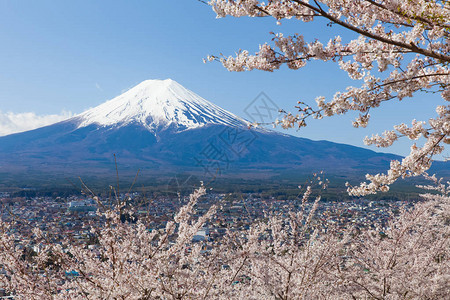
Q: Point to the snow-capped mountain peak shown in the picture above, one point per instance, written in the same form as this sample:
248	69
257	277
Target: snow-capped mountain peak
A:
158	104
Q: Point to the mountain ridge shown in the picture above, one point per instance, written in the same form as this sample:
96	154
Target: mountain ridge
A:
195	137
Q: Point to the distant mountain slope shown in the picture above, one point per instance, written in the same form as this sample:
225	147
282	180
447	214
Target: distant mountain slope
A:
161	128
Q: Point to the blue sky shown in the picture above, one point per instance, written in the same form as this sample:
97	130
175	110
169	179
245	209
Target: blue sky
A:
62	57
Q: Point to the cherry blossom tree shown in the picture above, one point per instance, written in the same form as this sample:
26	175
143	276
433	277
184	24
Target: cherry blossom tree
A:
407	259
130	261
282	256
289	254
401	49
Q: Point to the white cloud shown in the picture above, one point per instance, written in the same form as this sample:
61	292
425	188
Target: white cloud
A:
18	122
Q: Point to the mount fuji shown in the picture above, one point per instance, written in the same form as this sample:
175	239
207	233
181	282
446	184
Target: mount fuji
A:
161	128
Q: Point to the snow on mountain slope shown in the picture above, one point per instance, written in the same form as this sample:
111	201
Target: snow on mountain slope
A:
156	105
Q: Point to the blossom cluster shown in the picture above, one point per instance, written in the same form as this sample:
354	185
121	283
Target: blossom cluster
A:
402	48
